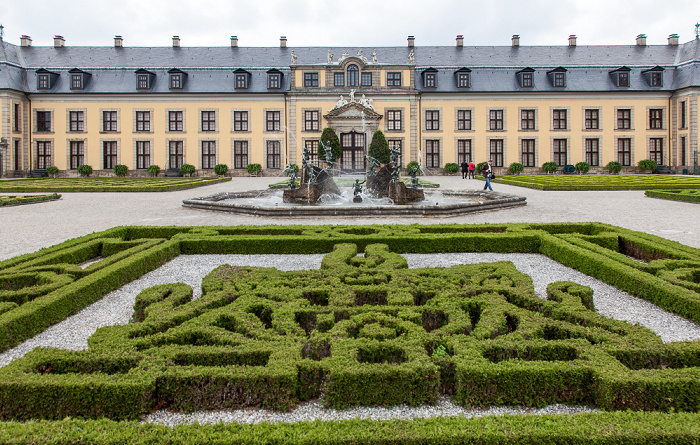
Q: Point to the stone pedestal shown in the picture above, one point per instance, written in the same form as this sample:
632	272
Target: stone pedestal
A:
309	193
378	185
401	195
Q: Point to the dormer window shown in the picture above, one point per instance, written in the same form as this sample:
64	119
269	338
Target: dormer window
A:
430	80
176	81
656	80
623	80
621	77
144	79
526	78
76	82
274	79
557	77
241	78
43	82
463	78
654	77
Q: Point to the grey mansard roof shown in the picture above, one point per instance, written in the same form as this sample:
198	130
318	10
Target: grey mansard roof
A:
210	69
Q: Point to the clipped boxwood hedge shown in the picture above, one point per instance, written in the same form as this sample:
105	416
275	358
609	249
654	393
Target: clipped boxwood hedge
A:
108	184
675	195
9	200
601	182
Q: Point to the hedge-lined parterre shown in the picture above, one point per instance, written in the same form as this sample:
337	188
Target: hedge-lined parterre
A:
106	184
365	331
675	195
11	200
601	182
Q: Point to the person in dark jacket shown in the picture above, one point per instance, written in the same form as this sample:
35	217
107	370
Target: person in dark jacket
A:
465	169
486	172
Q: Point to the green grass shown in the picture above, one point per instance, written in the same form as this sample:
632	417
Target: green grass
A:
601	182
675	195
11	200
109	184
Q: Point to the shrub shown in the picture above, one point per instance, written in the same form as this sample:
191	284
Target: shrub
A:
52	171
254	169
291	168
479	166
451	168
187	169
614	167
413	164
583	167
379	148
221	169
330	137
549	167
153	170
647	164
84	170
121	170
515	168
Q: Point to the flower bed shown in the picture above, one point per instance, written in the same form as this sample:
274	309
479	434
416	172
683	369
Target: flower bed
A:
109	184
675	195
601	182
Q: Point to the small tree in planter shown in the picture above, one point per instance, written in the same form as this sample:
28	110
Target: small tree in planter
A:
413	164
614	167
329	137
221	169
187	169
549	167
583	167
515	168
254	169
379	148
647	164
52	171
153	170
84	170
451	168
121	170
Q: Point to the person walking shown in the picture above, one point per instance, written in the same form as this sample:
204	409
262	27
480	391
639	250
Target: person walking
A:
470	168
464	169
486	171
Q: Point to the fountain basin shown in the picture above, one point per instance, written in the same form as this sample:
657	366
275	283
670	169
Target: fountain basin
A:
269	203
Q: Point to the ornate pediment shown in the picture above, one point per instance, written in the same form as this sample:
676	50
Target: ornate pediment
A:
354	109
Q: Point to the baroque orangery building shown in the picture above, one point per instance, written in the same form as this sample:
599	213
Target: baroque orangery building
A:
68	105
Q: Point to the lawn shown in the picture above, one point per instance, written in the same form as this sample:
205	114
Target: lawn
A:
675	195
107	184
12	200
601	182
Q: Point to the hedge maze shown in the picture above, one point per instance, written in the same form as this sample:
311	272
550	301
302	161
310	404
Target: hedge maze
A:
362	330
601	182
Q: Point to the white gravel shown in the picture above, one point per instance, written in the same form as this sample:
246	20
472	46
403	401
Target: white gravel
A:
116	308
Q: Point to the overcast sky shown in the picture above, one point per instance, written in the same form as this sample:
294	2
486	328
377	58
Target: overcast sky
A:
347	22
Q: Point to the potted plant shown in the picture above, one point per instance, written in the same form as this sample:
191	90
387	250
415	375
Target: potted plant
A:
550	167
254	169
121	170
451	168
221	169
84	170
614	167
515	168
583	167
52	171
187	169
647	164
153	170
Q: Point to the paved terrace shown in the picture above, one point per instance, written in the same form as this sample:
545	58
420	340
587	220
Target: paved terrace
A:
27	228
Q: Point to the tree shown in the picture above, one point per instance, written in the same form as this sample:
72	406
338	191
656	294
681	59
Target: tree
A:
379	148
329	137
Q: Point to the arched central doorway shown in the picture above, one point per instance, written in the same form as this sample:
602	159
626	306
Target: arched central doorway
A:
353	158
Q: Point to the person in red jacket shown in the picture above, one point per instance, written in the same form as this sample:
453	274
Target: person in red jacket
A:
470	172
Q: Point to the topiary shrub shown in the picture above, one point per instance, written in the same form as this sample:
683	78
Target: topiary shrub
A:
379	148
253	169
220	169
451	168
52	171
614	167
479	166
550	167
329	137
413	164
187	169
153	170
583	167
515	168
84	170
121	170
647	164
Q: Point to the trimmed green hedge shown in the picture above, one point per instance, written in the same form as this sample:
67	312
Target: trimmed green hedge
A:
109	184
17	200
601	182
675	195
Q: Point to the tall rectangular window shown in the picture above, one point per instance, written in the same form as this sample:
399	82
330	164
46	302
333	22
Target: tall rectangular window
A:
496	152
175	121
559	121
311	147
43	121
527	119
43	154
143	154
312	120
240	154
208	154
143	121
310	79
464	150
352	76
394	121
366	79
684	159
624	151
496	120
593	152
208	120
683	119
17	118
240	121
656	150
559	152
274	154
432	153
175	154
77	120
77	154
624	119
109	154
109	121
432	120
393	79
464	119
527	152
339	79
592	119
272	121
656	119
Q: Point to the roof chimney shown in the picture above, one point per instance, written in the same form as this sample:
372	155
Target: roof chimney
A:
234	41
118	41
673	40
25	40
515	40
642	40
176	41
460	41
411	41
283	41
59	42
572	40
